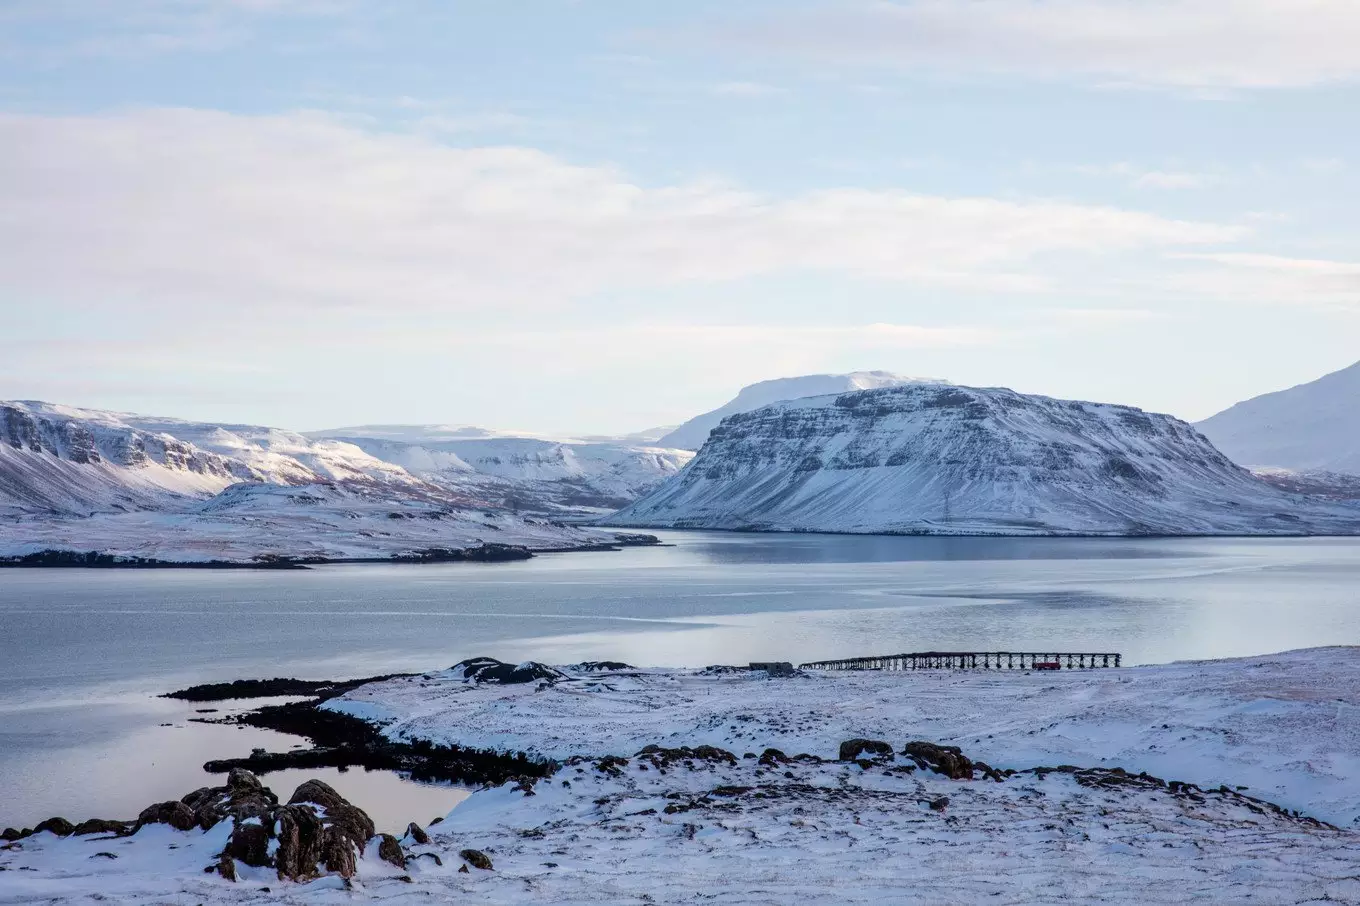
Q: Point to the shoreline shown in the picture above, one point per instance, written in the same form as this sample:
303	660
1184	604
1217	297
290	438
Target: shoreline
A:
487	552
616	781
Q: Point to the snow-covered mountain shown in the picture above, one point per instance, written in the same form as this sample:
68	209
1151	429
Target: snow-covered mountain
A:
692	434
532	472
89	480
1314	427
936	458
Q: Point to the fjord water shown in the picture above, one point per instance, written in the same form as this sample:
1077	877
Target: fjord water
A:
83	653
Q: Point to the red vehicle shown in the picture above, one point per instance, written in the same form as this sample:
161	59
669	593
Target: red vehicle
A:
1047	665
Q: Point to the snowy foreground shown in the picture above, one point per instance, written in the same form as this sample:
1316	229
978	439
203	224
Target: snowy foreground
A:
700	826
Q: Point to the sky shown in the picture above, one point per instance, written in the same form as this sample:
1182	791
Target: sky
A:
596	216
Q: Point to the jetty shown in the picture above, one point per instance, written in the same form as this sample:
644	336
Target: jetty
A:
974	660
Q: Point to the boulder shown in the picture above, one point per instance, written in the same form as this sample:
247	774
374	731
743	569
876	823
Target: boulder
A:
300	833
243	797
347	819
390	851
226	867
417	833
10	834
851	749
476	858
100	826
249	842
947	760
59	826
176	814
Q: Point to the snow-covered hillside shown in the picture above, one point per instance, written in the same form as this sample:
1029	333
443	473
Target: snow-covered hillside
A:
692	434
126	485
521	472
1311	427
936	458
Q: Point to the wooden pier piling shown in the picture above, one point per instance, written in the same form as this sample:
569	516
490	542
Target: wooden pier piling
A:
975	660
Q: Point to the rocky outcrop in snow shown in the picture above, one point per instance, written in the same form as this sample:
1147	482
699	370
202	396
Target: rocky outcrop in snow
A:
941	459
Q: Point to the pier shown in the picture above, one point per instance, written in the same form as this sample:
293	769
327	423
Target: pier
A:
974	660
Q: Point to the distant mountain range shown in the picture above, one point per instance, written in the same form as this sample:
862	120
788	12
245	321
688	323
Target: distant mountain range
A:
941	459
861	452
90	480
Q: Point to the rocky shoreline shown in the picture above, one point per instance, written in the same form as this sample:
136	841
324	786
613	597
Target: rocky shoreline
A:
487	552
601	782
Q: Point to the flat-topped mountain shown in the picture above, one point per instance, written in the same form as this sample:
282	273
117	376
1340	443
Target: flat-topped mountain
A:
942	459
692	434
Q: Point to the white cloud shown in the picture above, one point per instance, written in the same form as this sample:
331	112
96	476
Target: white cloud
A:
1194	44
1274	279
1142	178
174	207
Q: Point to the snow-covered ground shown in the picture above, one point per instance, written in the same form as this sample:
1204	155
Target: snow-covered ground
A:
249	521
699	827
1285	725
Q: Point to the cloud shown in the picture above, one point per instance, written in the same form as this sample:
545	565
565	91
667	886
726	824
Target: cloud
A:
1275	279
173	207
1142	178
1190	44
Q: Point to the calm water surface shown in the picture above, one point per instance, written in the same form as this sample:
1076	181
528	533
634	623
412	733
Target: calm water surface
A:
83	652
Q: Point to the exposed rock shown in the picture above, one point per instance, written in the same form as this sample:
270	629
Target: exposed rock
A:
300	838
476	858
602	666
662	757
176	814
389	850
226	867
490	670
249	841
771	757
59	826
417	833
939	804
100	826
947	760
350	820
10	834
243	797
851	749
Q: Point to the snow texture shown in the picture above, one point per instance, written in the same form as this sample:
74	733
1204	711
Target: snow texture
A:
692	434
703	828
941	459
1314	427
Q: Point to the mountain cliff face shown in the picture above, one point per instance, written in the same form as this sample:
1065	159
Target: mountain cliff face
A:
940	459
1314	427
692	434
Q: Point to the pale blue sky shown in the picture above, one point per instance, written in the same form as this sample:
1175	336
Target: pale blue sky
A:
596	216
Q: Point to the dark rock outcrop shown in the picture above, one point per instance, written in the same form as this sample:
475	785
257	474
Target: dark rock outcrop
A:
59	826
417	833
390	851
476	858
947	760
100	826
490	670
176	814
851	749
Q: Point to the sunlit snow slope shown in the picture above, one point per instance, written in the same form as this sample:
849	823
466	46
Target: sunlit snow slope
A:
940	459
1311	427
